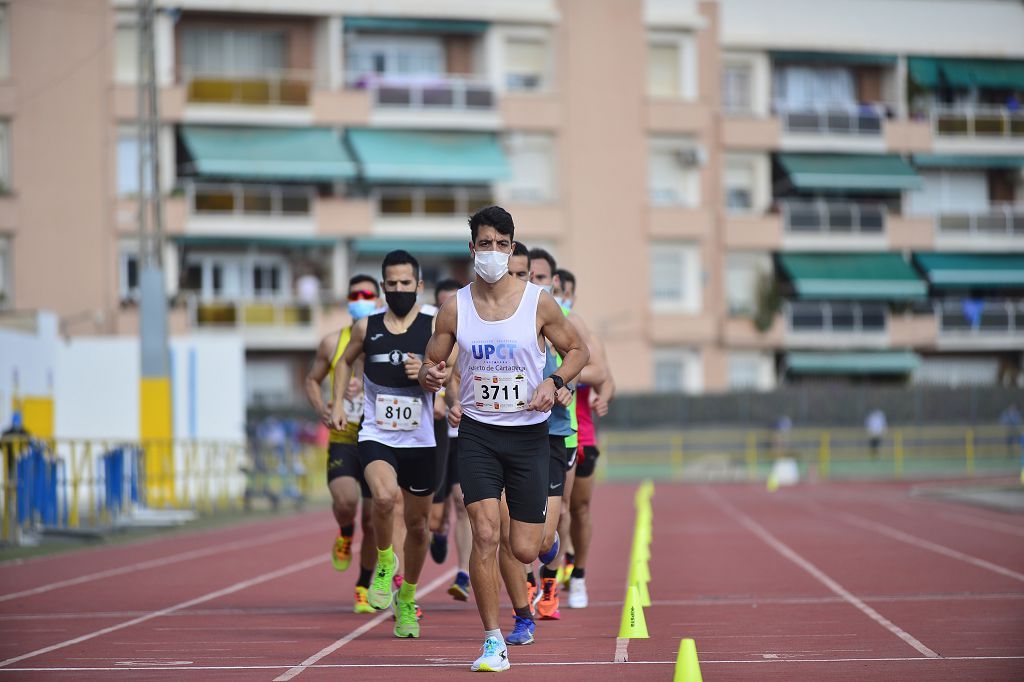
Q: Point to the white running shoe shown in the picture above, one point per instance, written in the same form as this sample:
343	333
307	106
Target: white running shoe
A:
494	658
578	593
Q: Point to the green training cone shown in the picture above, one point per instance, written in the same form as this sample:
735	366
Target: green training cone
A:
633	625
645	595
687	665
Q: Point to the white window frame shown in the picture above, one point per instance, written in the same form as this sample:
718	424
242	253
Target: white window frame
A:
127	252
5	157
246	265
686	157
689	276
5	40
732	168
764	374
691	364
126	26
686	49
6	274
515	190
754	263
392	47
748	108
525	34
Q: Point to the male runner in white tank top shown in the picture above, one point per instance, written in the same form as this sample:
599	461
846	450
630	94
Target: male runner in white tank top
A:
500	324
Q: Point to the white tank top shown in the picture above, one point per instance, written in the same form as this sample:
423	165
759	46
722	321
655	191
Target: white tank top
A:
500	362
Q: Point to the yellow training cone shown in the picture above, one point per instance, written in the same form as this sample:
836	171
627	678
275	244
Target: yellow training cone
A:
633	625
772	485
645	596
687	666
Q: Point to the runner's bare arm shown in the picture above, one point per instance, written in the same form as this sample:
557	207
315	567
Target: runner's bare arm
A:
343	373
566	340
433	374
451	396
315	377
596	370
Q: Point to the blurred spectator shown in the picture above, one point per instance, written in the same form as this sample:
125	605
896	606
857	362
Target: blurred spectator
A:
307	288
875	425
783	425
1011	419
14	439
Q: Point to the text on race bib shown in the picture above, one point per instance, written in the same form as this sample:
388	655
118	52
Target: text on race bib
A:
500	391
398	412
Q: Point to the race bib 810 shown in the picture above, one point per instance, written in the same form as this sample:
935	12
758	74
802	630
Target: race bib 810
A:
398	412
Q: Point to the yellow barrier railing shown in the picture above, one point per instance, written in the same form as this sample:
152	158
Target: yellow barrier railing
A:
748	454
81	483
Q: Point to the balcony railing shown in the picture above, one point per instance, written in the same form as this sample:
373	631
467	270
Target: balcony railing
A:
253	314
986	319
427	92
992	122
238	199
430	201
828	317
1002	220
281	88
865	119
833	217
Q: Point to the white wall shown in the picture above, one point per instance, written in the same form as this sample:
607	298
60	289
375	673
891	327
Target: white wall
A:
948	191
929	27
27	363
94	382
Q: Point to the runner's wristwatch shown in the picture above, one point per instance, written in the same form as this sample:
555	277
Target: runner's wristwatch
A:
557	381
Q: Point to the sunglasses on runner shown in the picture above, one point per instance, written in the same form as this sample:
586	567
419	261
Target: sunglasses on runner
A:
362	295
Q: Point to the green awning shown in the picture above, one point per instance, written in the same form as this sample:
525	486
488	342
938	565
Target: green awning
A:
833	58
374	246
291	154
973	270
849	172
869	362
852	276
404	25
210	241
931	72
428	158
967	161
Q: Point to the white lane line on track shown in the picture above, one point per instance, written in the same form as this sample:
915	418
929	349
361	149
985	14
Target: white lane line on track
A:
157	563
988	524
361	630
230	589
342	666
783	549
902	536
621	650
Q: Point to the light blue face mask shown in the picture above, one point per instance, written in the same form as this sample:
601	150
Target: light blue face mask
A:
546	287
564	302
360	309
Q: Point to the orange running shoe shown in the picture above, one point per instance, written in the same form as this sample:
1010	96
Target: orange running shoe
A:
341	553
361	605
547	607
531	593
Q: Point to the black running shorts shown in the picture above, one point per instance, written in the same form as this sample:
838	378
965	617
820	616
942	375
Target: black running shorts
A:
515	459
415	466
343	460
588	462
441	457
450	472
557	465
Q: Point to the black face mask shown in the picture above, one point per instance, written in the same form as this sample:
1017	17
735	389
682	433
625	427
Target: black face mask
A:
400	302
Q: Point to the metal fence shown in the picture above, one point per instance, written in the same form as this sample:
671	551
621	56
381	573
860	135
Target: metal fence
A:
68	485
748	454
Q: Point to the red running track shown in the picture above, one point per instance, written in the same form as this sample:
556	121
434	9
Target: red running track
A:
831	581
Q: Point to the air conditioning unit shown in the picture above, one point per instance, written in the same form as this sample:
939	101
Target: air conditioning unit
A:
693	156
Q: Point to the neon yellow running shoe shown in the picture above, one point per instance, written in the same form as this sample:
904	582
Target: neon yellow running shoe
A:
380	595
361	605
341	553
407	624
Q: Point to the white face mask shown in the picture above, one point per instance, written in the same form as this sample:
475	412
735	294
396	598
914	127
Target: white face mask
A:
491	265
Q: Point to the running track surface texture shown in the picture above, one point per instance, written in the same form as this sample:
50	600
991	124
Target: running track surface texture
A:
827	581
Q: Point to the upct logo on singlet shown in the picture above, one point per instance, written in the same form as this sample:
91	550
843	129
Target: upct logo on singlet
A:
499	351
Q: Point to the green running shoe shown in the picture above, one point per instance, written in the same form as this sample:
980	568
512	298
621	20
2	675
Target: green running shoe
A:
380	595
407	624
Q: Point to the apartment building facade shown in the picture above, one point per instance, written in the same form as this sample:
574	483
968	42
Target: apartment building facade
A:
746	197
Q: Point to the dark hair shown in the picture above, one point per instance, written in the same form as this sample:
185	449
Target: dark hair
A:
446	285
359	279
567	278
496	217
400	257
520	250
541	254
